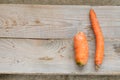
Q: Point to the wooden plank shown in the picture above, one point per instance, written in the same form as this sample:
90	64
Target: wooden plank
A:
53	57
36	21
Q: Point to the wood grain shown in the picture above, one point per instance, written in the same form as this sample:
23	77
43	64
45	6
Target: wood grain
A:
52	56
33	21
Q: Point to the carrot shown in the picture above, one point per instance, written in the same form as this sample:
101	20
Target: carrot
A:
99	54
81	48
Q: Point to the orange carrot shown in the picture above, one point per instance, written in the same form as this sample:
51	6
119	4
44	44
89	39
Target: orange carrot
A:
99	39
81	48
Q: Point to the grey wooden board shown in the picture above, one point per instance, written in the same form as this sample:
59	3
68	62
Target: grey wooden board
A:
36	21
55	56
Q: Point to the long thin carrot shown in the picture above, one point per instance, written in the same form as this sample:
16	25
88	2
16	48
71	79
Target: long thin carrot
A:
99	39
81	48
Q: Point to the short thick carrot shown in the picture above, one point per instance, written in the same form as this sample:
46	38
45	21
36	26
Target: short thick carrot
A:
99	39
81	48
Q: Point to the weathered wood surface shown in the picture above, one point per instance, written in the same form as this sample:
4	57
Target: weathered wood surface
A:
35	21
55	56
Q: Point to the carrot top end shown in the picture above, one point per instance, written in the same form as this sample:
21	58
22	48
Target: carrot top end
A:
80	64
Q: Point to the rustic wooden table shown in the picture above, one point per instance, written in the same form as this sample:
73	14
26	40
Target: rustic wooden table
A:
41	77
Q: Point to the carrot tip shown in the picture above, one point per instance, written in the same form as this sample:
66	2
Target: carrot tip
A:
97	67
92	12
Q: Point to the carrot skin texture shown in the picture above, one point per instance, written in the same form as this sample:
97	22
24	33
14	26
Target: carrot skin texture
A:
99	54
81	48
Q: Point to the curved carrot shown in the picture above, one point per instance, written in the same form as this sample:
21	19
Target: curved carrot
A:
81	48
99	39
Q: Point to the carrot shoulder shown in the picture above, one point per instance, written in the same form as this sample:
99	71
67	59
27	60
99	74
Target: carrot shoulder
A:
99	39
81	48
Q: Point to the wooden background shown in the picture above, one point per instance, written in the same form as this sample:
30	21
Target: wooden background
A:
81	2
55	55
